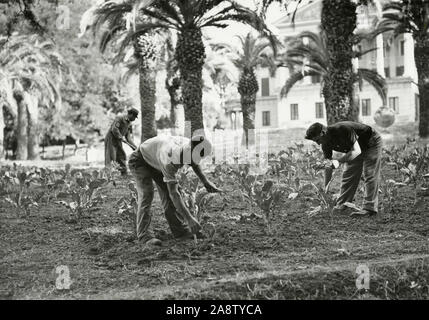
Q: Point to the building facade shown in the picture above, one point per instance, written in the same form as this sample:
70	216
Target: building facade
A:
393	59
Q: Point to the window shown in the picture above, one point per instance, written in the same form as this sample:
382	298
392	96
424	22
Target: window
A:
394	104
266	118
402	47
399	71
319	110
366	107
294	111
315	79
265	87
387	72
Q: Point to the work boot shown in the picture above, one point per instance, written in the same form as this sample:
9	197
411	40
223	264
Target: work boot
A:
363	213
153	242
341	209
189	236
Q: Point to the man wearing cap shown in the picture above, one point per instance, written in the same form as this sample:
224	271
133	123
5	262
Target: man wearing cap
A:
120	131
360	148
157	160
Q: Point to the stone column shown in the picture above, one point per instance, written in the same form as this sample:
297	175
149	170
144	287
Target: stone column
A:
409	63
307	80
355	63
380	55
282	74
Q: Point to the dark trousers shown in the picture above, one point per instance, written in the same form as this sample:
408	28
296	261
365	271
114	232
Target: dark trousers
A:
368	163
145	175
113	151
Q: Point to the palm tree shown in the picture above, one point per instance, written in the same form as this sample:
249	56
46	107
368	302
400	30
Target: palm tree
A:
312	59
189	17
172	82
338	22
118	22
32	70
412	16
221	70
252	53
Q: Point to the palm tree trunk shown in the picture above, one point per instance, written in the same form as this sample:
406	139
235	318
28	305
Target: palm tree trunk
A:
190	55
22	131
338	22
421	57
248	108
2	125
247	88
173	86
147	83
33	135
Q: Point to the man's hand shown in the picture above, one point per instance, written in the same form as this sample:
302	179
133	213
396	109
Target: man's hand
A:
335	164
194	225
210	187
331	164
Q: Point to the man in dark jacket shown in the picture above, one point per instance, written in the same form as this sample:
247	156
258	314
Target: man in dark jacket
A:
360	147
120	131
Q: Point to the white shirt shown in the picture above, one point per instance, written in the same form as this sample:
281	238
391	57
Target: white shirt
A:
163	153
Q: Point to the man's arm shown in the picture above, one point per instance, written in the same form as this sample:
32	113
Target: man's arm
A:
180	206
115	129
352	154
129	140
207	184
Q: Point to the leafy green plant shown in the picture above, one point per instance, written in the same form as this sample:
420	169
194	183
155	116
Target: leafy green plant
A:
389	189
196	198
21	200
260	191
83	192
327	200
413	163
127	205
6	180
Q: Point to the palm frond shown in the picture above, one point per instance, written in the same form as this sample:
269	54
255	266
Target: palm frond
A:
131	69
290	82
242	14
375	80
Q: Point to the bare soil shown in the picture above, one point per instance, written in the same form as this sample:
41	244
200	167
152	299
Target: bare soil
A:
303	258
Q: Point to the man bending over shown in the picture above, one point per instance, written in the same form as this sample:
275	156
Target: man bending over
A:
362	147
157	160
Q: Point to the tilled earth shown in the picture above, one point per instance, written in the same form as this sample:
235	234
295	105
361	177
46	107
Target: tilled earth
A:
303	257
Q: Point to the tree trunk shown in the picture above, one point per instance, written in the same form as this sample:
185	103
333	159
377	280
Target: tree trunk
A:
33	134
2	125
190	55
63	154
247	88
173	86
22	131
147	83
421	57
338	21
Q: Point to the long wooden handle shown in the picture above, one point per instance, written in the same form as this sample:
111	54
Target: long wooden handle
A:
130	145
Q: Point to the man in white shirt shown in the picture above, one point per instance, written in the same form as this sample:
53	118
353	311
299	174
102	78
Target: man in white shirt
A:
158	159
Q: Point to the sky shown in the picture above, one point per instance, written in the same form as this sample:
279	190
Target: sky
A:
274	13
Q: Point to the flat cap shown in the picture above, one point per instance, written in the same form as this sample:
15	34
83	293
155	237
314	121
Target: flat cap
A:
134	111
314	130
